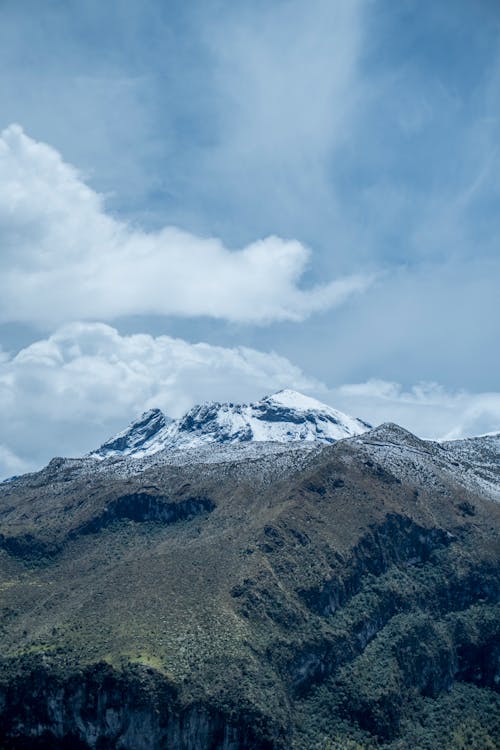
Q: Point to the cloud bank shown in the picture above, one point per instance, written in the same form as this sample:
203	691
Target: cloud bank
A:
64	258
427	409
67	393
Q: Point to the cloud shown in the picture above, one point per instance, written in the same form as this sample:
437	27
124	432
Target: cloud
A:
284	76
427	409
286	87
65	394
65	258
11	465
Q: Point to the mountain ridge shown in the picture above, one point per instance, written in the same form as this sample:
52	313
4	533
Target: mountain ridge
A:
285	416
252	596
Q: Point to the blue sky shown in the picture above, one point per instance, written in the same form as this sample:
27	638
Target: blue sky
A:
363	134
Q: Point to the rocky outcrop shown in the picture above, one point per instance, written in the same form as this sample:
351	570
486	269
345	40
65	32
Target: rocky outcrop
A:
145	507
28	547
136	435
426	656
398	541
99	708
141	507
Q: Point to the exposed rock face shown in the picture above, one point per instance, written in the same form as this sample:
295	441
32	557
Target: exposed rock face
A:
342	597
99	708
397	541
141	507
137	435
145	507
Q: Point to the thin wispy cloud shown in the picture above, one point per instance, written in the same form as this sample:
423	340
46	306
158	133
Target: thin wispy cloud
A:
287	91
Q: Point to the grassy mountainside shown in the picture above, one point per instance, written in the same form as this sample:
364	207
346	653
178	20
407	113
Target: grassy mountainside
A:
342	604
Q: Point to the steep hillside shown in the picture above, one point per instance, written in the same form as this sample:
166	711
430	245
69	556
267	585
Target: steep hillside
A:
296	596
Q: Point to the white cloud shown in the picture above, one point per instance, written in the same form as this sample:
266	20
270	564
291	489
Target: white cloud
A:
427	409
64	258
65	394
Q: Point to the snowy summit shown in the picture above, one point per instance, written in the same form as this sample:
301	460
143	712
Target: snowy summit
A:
286	416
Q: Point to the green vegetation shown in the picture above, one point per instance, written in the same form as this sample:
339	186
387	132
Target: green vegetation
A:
335	609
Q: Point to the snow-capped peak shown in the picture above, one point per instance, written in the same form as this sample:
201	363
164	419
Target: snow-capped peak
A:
133	439
295	400
298	402
286	416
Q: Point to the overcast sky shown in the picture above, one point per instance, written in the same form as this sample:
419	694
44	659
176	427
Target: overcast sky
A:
215	199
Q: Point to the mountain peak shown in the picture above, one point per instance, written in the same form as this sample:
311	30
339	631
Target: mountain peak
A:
134	437
282	417
295	400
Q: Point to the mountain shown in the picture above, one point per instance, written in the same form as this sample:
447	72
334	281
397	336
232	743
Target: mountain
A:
472	462
141	436
229	594
479	457
286	416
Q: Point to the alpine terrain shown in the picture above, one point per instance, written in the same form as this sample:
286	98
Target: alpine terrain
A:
266	576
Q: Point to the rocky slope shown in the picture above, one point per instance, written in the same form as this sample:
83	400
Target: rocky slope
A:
254	595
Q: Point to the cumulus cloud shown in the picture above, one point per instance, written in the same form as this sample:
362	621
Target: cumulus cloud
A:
64	258
65	394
